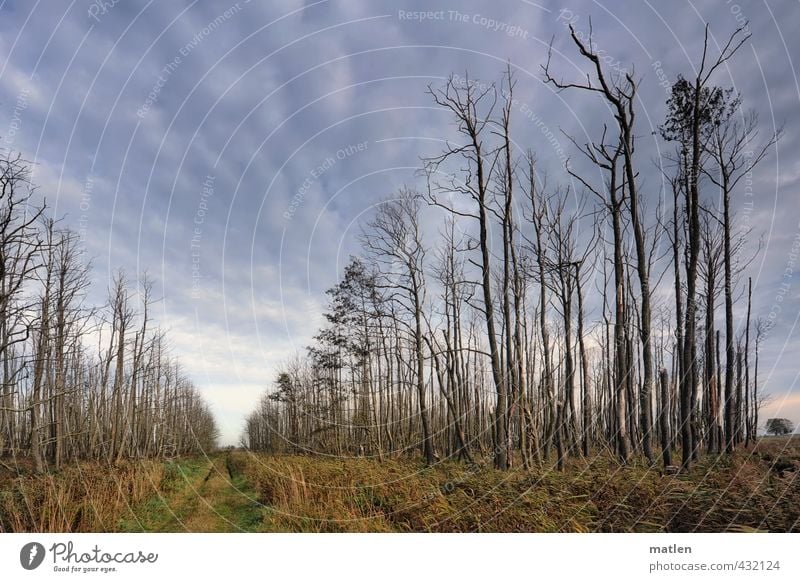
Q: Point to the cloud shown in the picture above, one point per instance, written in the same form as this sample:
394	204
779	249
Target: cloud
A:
269	93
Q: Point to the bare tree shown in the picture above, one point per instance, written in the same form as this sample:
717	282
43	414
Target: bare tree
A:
394	239
472	108
20	260
735	156
694	109
621	96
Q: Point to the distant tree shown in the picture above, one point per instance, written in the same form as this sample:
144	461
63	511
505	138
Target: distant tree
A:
779	426
287	392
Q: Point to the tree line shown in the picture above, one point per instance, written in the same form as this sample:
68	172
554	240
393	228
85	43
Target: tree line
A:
78	381
481	342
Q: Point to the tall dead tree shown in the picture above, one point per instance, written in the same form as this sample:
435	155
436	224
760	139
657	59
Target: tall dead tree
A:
472	107
708	269
394	239
620	95
20	260
612	198
539	202
735	156
693	110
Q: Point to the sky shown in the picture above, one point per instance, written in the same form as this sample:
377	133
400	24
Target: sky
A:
232	149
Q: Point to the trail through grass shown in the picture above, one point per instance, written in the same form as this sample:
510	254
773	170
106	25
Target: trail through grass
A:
198	495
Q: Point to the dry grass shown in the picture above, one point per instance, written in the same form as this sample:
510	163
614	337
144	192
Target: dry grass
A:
88	497
755	490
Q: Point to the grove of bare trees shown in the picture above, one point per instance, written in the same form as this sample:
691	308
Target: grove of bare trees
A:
81	382
546	320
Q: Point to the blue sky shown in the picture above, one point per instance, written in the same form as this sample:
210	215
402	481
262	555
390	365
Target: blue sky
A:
232	148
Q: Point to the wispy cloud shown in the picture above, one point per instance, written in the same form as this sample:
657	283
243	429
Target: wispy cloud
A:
264	93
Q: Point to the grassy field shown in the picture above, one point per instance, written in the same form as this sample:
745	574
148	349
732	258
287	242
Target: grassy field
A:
758	489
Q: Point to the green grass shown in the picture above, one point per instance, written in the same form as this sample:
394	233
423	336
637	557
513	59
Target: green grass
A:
197	494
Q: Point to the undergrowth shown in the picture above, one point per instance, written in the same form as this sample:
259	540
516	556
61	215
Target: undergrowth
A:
748	492
87	497
757	489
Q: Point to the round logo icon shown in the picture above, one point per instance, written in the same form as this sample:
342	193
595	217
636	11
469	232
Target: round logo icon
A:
31	555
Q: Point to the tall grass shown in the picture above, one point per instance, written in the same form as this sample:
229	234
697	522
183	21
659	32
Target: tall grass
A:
743	493
755	489
87	497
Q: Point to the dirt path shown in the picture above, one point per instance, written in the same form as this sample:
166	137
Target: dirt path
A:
200	496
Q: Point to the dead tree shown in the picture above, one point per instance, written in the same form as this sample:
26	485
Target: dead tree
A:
612	198
732	149
472	107
394	239
693	111
664	414
539	201
20	260
620	95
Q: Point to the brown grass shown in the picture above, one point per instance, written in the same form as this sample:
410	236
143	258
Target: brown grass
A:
745	493
88	497
756	489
